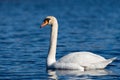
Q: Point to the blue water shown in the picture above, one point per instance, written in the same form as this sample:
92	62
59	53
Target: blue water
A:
84	25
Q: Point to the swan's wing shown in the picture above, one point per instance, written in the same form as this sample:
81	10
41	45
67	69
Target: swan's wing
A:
82	58
86	60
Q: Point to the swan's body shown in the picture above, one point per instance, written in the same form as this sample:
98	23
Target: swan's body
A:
77	60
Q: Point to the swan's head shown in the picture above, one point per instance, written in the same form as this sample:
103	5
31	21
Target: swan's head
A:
49	20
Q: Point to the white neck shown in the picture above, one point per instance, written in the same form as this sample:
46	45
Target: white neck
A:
53	43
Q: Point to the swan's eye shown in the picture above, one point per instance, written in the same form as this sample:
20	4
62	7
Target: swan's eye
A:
46	22
47	19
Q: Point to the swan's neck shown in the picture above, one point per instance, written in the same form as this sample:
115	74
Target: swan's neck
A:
53	42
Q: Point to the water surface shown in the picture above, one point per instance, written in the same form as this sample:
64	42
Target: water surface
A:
84	25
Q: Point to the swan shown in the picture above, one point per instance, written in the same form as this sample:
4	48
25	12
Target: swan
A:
73	61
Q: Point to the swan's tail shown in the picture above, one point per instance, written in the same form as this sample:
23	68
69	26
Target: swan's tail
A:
101	65
111	60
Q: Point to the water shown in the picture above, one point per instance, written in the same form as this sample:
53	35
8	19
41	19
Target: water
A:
84	25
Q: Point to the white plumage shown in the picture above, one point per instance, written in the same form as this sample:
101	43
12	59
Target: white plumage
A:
77	60
83	61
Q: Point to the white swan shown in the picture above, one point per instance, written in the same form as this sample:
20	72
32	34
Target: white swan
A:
77	60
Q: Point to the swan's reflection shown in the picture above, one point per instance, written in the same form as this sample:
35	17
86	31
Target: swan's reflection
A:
53	74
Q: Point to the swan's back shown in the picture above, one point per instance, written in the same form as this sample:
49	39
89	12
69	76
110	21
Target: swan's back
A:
86	60
81	58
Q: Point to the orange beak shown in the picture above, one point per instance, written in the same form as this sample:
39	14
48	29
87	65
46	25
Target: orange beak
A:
44	24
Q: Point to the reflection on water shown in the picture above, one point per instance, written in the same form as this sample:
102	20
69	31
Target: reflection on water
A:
53	74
